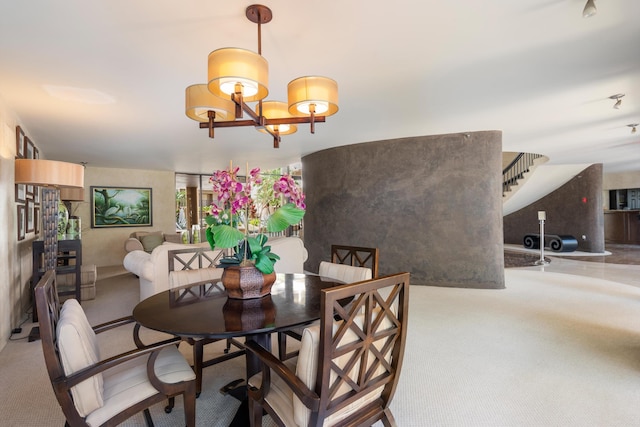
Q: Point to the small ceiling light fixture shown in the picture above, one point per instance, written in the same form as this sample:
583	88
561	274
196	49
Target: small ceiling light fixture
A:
633	127
618	98
237	76
589	9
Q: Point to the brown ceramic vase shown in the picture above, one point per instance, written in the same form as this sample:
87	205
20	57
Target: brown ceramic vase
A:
245	282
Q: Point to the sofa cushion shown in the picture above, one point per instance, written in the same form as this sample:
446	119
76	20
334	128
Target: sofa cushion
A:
151	241
78	349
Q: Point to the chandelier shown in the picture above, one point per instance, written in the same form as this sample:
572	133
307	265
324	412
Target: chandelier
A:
238	76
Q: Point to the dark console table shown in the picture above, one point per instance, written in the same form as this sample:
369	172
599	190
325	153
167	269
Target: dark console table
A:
69	262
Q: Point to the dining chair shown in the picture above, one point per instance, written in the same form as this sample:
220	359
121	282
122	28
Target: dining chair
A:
356	256
104	392
348	368
191	267
349	264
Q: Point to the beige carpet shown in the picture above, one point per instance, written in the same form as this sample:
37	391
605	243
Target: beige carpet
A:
550	350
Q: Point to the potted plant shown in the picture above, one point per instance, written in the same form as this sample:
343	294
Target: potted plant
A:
229	224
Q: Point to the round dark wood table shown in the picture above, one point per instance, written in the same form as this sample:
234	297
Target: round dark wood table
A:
205	311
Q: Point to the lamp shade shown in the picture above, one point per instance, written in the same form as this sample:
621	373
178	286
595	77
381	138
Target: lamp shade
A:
276	110
72	194
321	92
199	101
231	66
49	173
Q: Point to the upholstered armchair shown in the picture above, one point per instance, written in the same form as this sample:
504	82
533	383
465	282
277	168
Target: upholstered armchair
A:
348	367
93	391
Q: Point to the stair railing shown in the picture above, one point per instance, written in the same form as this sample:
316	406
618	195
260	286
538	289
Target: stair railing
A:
516	169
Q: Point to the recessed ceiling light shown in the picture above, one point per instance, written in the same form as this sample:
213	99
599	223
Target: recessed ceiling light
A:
76	94
618	98
589	9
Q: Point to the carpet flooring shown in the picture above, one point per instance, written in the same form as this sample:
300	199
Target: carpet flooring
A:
552	349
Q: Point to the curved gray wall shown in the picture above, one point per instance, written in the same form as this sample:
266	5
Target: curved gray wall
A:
432	205
574	209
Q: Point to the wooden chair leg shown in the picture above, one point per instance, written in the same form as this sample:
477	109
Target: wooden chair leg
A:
170	404
147	418
387	419
282	345
255	413
189	397
198	355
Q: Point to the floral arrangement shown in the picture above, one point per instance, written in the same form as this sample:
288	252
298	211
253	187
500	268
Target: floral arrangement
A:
233	207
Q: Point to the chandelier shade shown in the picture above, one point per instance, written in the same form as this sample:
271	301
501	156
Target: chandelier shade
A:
231	66
199	101
241	76
276	110
49	173
316	93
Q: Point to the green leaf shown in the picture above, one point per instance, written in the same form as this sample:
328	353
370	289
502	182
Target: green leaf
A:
226	236
210	220
264	264
209	234
287	215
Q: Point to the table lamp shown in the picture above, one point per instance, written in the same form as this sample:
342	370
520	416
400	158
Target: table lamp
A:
50	175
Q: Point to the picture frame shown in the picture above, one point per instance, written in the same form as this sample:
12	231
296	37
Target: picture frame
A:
30	192
21	193
121	207
30	216
36	220
20	146
29	148
22	225
36	195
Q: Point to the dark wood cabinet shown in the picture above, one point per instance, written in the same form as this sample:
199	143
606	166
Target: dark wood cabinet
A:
622	226
69	262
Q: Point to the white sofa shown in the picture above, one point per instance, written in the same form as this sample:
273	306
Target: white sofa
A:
152	268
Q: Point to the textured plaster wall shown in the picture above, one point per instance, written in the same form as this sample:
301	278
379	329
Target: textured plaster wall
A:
105	246
431	204
574	209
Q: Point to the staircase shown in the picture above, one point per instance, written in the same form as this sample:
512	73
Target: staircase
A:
528	178
515	175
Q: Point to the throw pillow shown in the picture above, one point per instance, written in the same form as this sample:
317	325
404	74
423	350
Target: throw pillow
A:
151	241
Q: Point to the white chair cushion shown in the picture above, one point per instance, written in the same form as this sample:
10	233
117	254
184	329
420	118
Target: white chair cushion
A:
78	349
292	254
344	273
187	277
127	384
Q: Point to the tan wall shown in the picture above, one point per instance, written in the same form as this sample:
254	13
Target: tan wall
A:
15	271
105	246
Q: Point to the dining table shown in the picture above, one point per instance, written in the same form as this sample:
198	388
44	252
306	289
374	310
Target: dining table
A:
204	311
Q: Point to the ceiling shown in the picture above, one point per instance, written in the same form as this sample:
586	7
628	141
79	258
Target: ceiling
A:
534	69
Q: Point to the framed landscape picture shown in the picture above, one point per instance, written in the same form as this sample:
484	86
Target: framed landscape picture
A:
36	220
20	146
21	193
120	207
30	216
22	222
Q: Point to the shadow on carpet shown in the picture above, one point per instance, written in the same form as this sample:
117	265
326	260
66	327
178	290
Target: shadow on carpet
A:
520	259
